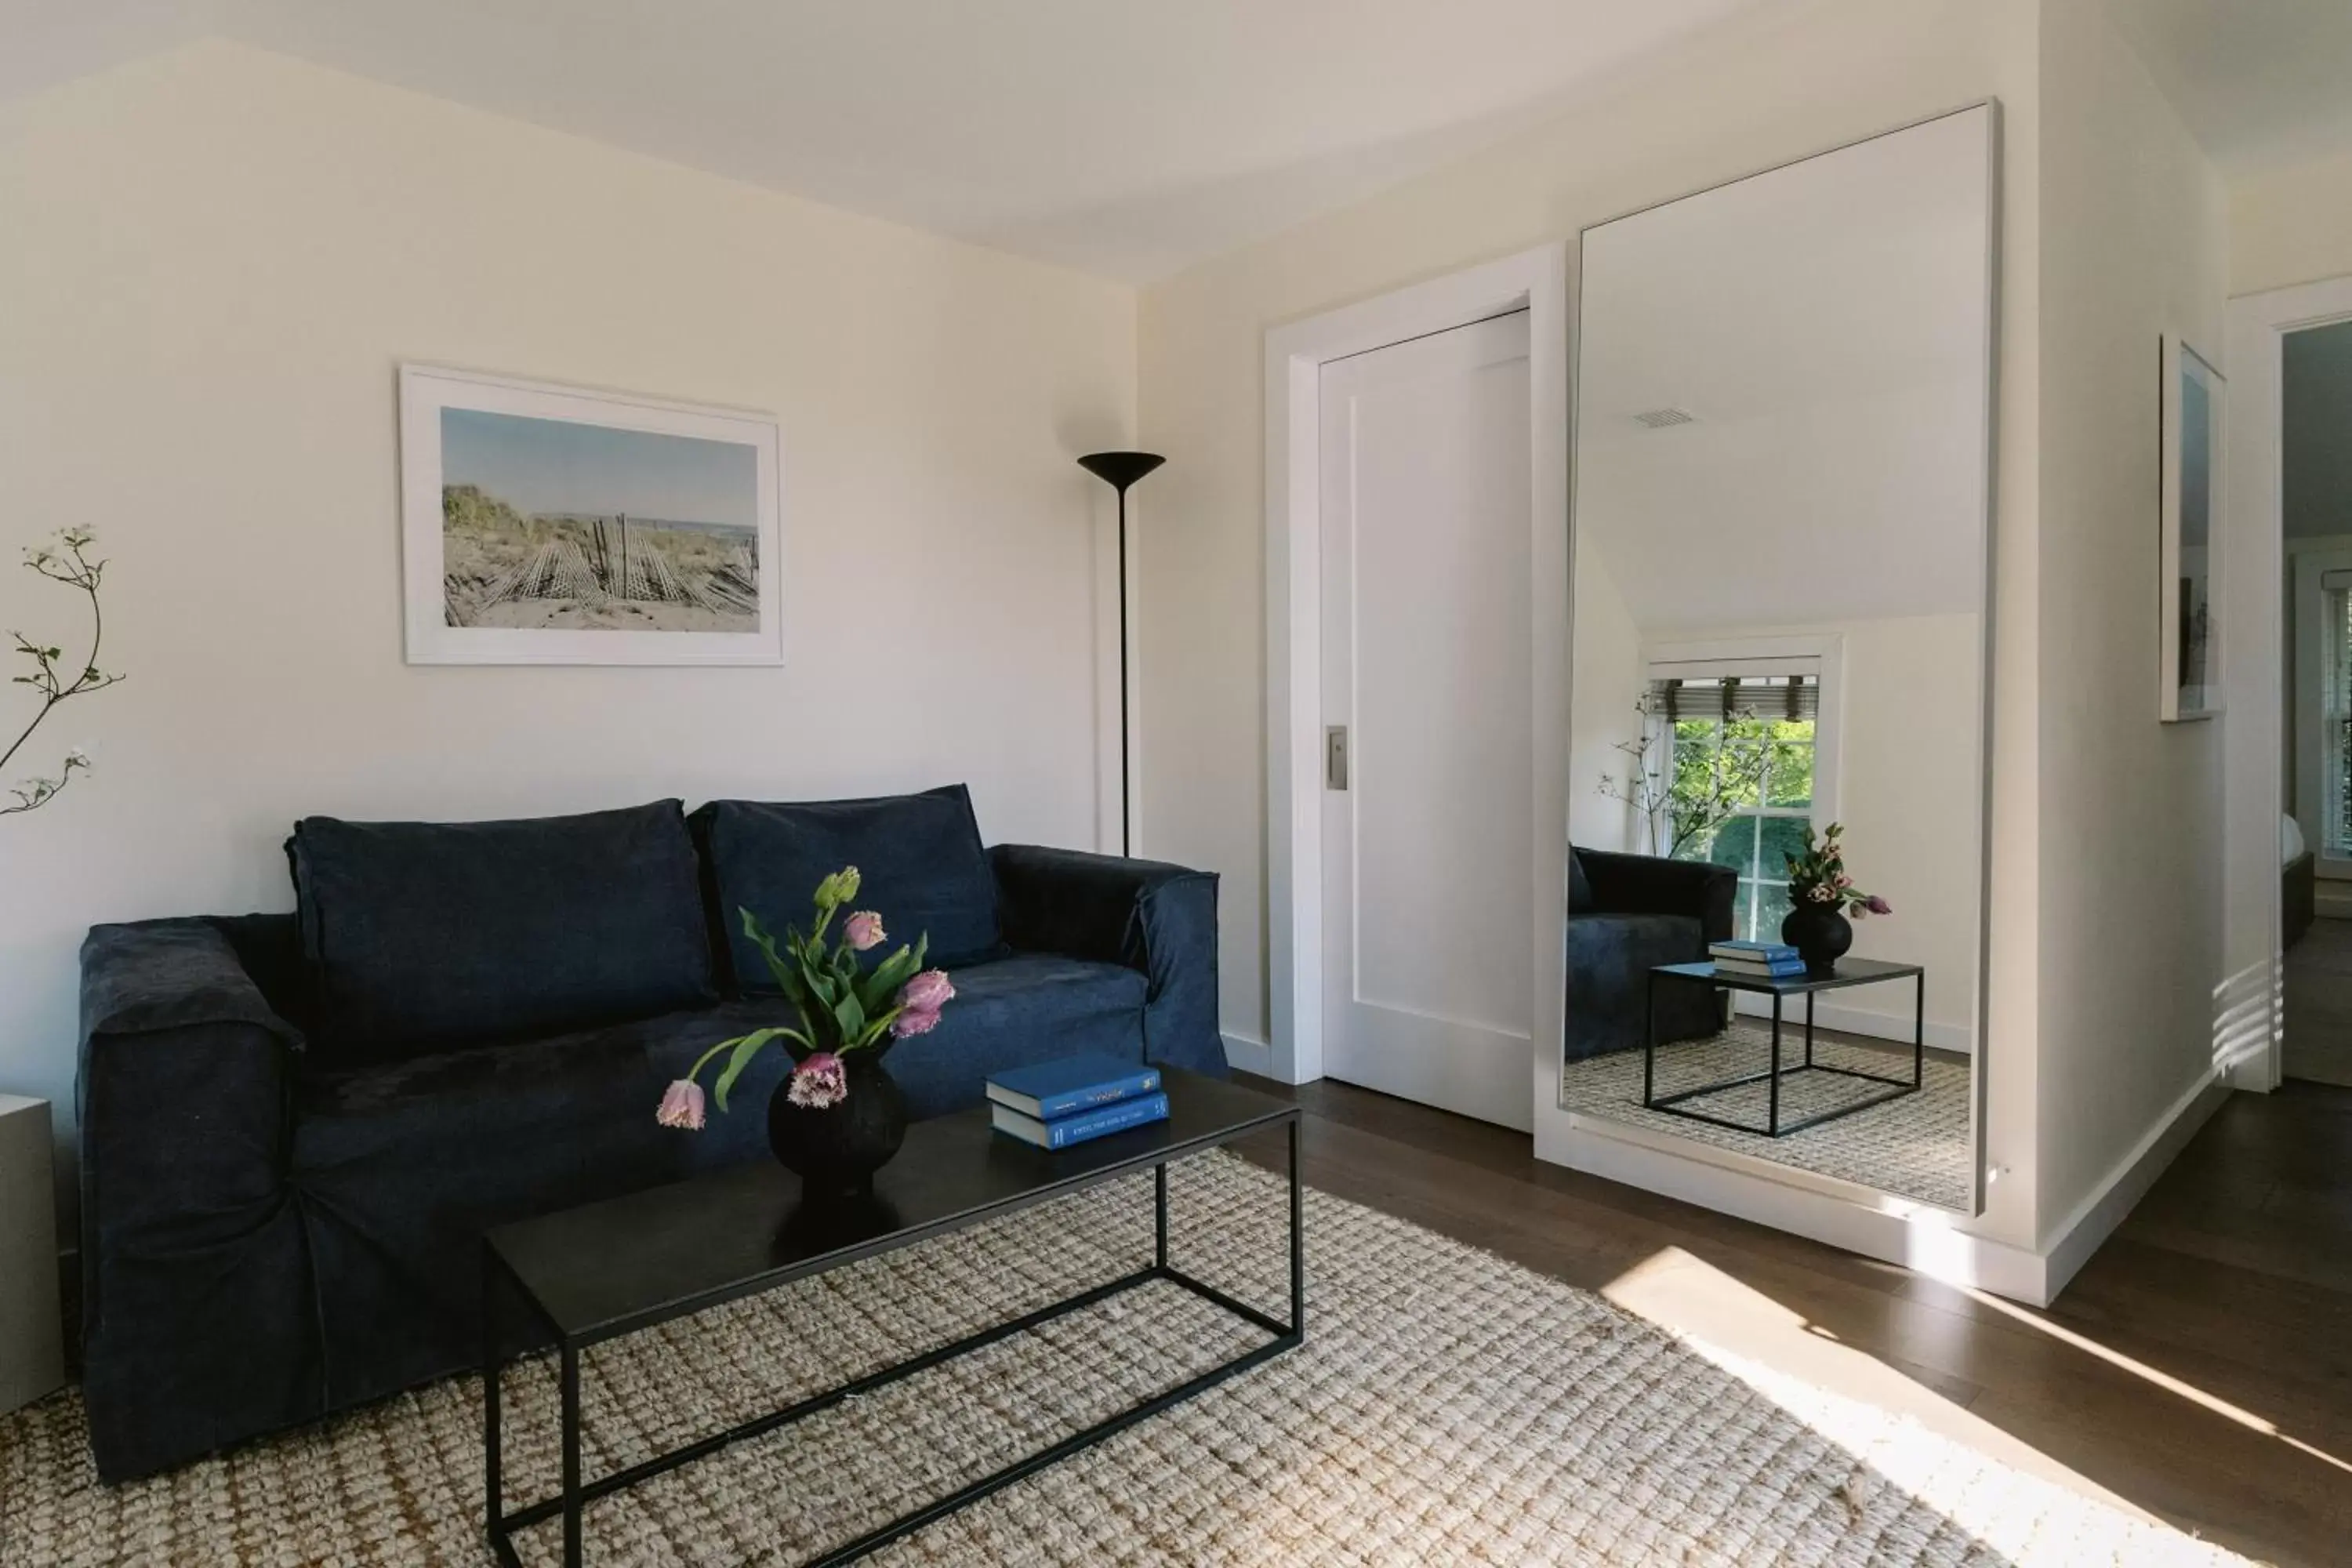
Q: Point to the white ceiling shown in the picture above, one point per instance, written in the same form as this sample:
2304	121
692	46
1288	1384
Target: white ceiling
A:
1827	326
1127	137
2262	83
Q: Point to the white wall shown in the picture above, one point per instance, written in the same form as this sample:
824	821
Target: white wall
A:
1783	83
2131	810
213	261
1910	793
2291	225
1608	677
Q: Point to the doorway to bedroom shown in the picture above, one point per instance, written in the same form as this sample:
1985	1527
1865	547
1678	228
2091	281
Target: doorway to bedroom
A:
2316	713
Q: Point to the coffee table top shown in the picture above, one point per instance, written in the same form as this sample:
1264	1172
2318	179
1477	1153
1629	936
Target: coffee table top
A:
1850	972
605	1268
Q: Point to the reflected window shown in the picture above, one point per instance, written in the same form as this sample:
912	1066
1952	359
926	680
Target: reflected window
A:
1740	750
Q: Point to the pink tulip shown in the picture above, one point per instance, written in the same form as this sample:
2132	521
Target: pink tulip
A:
927	992
1879	906
818	1082
863	930
681	1106
915	1021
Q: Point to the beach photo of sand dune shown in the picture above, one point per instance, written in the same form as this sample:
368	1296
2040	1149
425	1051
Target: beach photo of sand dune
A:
552	525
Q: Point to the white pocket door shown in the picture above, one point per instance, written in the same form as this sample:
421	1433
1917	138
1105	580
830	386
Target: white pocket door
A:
1427	670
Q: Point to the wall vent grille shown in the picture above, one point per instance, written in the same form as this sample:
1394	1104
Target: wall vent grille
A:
1660	418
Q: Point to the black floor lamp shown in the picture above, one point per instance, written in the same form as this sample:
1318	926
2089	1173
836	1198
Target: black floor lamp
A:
1121	469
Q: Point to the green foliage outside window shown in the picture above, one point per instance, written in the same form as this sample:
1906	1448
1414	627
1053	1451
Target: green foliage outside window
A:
1739	795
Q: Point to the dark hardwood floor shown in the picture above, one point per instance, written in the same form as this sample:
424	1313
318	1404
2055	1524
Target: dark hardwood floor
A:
2198	1367
2318	1000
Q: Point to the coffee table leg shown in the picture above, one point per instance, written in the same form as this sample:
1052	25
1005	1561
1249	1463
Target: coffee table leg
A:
1298	1242
493	1488
570	1401
1809	1029
1919	1029
1159	1213
1772	1091
1650	1040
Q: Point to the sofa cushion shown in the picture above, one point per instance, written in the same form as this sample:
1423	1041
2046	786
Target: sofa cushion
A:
1031	1008
399	1167
919	856
422	936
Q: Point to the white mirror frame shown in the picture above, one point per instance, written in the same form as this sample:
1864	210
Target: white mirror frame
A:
1845	1214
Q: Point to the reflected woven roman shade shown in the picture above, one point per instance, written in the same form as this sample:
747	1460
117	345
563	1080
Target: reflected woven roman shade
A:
1732	697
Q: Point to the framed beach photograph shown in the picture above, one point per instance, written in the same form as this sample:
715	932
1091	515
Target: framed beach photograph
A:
546	524
2189	674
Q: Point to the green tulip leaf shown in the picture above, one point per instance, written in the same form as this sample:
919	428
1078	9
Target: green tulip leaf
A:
881	985
745	1050
851	1015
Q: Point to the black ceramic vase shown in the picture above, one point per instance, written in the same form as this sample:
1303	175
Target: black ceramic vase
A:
835	1150
1820	933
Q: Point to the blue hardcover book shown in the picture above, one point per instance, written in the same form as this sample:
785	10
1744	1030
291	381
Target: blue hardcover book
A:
1760	970
1054	1088
1752	952
1066	1131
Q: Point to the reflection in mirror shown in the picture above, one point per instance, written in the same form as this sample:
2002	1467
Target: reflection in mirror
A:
1778	778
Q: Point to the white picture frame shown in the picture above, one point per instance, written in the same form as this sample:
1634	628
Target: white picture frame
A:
2188	631
534	577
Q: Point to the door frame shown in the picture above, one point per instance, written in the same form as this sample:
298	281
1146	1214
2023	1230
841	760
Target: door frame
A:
2249	1023
1536	281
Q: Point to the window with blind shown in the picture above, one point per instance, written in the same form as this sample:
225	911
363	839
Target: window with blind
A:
1740	751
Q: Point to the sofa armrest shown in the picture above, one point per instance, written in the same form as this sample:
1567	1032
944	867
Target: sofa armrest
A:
197	1325
1648	885
1156	918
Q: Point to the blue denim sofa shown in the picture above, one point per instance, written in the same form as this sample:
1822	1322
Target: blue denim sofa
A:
295	1128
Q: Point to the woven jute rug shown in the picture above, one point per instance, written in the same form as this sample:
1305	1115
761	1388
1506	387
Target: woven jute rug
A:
1447	1407
1917	1145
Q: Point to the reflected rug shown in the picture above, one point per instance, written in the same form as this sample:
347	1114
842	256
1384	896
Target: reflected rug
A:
1917	1146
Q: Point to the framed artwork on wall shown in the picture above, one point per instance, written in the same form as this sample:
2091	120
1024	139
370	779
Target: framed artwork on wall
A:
2189	674
546	524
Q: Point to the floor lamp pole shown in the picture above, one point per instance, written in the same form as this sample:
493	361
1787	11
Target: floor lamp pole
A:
1125	758
1119	470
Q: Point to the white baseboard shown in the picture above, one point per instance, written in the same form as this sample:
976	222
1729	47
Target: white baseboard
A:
1918	1236
1895	1027
2067	1248
1245	1055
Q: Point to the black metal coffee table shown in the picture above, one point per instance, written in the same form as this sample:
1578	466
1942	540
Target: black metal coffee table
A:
1849	972
609	1268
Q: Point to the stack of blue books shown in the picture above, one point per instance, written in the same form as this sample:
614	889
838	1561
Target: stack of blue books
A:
1055	1104
1757	959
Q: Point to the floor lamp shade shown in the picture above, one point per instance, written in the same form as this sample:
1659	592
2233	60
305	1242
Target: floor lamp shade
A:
1118	471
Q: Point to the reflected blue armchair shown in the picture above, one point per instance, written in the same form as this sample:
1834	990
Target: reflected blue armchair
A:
1626	915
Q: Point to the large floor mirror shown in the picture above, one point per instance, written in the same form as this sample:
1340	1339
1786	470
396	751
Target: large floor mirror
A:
1782	553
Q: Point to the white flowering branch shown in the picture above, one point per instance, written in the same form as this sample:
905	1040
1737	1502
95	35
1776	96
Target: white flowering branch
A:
1680	811
65	561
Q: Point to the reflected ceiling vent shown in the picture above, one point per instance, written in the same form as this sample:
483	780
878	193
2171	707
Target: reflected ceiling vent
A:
1659	418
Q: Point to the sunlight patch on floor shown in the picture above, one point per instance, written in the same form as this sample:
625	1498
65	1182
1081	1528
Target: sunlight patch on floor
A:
1936	1449
2161	1379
